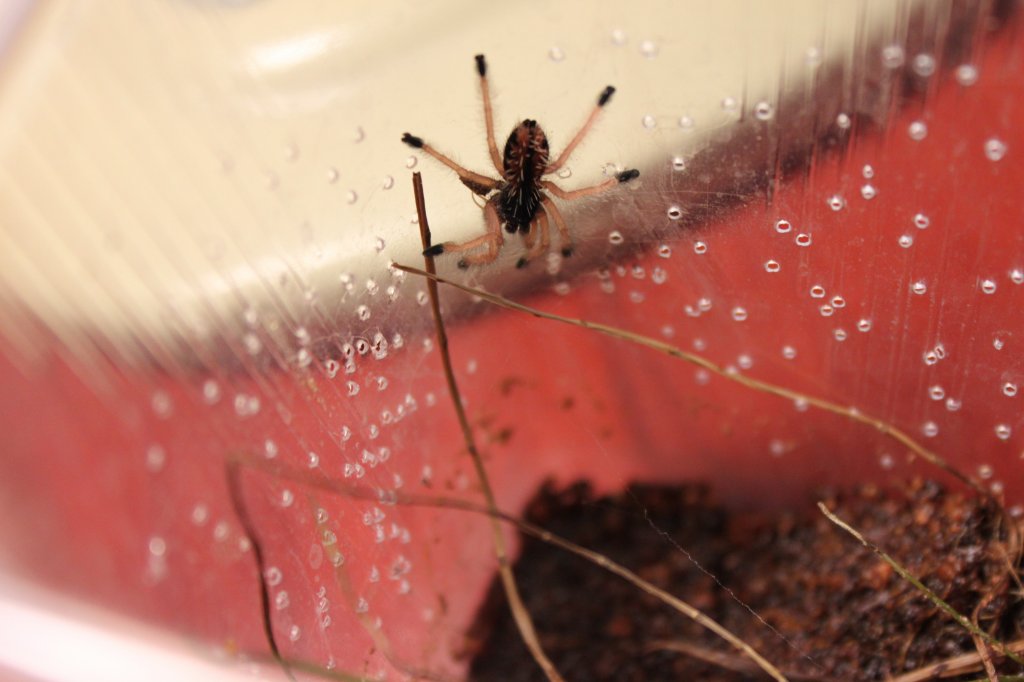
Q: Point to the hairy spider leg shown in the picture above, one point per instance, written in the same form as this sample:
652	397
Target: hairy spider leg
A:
492	144
548	206
468	177
624	176
602	99
493	239
538	239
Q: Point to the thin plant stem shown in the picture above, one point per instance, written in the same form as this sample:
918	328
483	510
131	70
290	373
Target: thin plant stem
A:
934	598
519	612
853	413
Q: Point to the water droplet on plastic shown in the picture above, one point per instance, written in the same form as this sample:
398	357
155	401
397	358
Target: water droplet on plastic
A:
1003	431
618	37
917	131
729	104
839	334
363	313
782	226
772	266
739	314
924	65
826	310
929	429
678	163
886	461
700	247
838	302
1009	389
803	239
867	171
763	111
868	192
156	457
674	213
686	122
287	498
649	49
936	392
892	56
906	240
788	352
988	286
966	74
919	287
952	404
294	633
1017	276
995	149
863	325
843	122
556	54
817	291
211	392
649	122
921	221
665	251
352	388
836	202
615	237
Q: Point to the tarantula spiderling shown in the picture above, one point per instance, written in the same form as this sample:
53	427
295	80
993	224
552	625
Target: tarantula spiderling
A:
518	200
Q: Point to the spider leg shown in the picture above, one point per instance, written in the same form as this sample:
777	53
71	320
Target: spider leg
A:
548	206
493	239
538	239
492	145
624	176
602	99
472	180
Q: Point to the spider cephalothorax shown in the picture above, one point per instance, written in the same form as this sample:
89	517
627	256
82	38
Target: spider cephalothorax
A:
518	201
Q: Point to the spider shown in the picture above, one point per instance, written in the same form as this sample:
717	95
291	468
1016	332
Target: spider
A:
518	200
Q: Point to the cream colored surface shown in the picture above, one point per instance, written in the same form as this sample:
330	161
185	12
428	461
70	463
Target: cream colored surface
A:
167	165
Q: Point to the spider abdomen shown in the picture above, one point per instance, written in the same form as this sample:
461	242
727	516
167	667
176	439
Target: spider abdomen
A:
525	158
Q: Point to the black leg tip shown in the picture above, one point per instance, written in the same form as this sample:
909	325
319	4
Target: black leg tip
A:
606	95
521	263
435	250
412	140
463	265
481	65
567	251
627	175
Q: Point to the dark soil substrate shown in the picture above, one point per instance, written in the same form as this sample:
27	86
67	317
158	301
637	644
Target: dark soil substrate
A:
836	610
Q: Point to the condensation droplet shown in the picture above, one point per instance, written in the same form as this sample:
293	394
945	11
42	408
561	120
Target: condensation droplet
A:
273	576
998	343
739	313
410	161
919	287
966	74
313	460
788	352
763	111
700	247
618	37
917	131
352	387
665	251
817	291
836	202
686	122
659	275
839	334
156	457
892	56
615	237
826	310
363	313
988	286
864	325
287	498
211	392
772	266
729	104
269	449
294	633
843	121
1017	276
886	461
952	404
556	54
921	221
333	175
162	405
1003	431
649	122
995	149
929	429
782	226
868	192
906	241
936	392
351	197
838	302
565	173
200	514
1009	389
649	49
867	171
924	65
